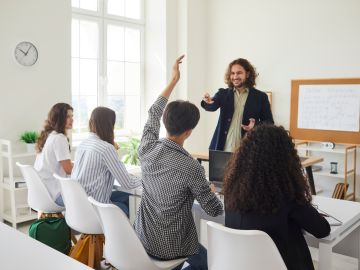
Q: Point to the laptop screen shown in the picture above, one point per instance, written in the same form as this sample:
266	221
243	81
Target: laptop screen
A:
217	164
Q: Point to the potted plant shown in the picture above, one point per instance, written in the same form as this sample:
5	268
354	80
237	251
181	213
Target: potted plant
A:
29	137
130	147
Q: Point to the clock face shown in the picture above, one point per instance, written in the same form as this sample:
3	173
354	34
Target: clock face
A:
26	53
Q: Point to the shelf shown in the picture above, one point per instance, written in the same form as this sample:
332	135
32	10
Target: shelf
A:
319	149
20	217
19	155
327	173
10	186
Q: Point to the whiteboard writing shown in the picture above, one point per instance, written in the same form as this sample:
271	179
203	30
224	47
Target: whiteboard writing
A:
329	107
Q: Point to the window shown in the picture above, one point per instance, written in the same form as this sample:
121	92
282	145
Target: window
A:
107	62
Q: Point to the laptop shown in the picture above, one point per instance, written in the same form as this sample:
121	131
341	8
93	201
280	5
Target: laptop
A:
217	164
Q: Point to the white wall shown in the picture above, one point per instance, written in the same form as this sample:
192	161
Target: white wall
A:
285	40
27	93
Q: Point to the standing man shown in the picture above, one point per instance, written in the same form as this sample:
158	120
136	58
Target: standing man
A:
241	106
171	181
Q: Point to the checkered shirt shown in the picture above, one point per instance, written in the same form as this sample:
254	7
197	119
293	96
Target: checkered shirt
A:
171	181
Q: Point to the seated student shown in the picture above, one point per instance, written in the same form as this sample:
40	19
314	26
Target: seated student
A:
97	164
54	150
172	180
265	189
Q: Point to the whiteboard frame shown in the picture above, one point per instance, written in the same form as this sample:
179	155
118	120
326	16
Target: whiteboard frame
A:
346	137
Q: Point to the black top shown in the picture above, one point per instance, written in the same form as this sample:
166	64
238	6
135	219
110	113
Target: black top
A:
285	229
257	106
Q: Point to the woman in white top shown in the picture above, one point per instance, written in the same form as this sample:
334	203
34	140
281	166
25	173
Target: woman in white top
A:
54	150
97	164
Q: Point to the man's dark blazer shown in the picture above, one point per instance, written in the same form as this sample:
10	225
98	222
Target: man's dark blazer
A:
257	106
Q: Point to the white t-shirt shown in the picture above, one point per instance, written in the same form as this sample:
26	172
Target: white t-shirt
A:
56	149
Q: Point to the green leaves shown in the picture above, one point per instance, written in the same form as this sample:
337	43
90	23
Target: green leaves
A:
29	136
131	148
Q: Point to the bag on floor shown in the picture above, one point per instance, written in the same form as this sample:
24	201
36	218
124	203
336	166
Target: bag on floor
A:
53	232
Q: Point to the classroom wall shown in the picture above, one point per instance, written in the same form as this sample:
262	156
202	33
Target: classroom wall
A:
27	93
285	40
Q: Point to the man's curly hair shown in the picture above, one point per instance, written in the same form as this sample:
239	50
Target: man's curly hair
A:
249	68
264	172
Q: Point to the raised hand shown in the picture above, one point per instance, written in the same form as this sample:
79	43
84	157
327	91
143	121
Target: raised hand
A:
174	79
250	126
176	70
208	99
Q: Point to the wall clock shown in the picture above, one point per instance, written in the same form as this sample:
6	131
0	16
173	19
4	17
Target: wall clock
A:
26	53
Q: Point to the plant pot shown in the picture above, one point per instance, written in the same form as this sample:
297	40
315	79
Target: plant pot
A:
30	147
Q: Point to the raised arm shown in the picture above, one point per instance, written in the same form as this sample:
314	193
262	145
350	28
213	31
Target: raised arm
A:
174	78
152	126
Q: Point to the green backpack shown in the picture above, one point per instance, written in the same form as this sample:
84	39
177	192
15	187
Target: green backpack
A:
53	232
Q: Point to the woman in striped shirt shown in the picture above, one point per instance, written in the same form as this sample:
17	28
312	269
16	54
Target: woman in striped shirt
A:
97	165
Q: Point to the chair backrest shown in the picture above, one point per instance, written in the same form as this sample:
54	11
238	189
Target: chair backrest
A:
123	248
39	197
241	249
80	215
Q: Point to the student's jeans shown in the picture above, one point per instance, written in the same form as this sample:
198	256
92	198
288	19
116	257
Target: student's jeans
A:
59	201
196	262
121	200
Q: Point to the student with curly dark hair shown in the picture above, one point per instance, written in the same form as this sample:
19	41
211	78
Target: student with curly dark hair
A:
265	189
241	106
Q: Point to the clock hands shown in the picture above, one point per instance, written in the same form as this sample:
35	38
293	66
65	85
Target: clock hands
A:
23	52
28	50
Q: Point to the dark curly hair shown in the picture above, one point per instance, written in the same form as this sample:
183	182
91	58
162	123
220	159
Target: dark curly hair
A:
56	120
264	172
250	69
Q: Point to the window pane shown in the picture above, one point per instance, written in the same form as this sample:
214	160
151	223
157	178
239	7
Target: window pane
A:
89	39
116	7
132	78
132	9
75	36
75	3
75	74
83	106
89	4
132	45
115	78
132	114
117	103
88	76
115	43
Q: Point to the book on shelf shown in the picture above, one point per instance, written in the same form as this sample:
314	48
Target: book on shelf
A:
20	184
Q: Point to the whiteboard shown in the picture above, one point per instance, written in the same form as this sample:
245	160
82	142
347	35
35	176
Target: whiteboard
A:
329	107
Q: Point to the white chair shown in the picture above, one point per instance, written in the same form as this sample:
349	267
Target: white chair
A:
80	215
39	197
123	248
241	249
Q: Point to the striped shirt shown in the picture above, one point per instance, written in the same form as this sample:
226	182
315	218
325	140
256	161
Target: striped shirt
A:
172	180
96	167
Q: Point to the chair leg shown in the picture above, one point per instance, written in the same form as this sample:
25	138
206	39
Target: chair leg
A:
80	251
99	244
89	250
91	261
73	239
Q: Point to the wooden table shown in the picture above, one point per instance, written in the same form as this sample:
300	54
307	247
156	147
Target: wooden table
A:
306	162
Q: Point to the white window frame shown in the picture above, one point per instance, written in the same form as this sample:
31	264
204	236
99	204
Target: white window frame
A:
103	20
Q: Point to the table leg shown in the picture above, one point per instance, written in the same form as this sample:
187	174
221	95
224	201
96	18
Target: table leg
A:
311	179
132	208
325	256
